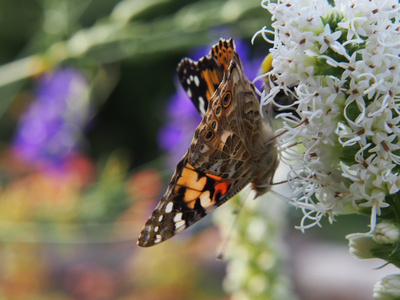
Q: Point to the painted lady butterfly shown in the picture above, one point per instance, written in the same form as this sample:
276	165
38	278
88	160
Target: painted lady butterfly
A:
230	148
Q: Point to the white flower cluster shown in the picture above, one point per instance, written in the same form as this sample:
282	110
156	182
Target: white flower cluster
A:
343	61
255	252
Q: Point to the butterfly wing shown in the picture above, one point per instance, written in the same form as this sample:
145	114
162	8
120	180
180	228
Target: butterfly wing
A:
190	196
219	144
201	79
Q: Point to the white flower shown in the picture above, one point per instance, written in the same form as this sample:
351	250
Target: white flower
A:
328	39
344	61
388	288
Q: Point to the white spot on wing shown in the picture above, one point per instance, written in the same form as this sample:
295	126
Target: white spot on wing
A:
216	167
158	239
205	200
204	148
189	93
202	105
156	228
178	217
235	77
196	80
168	207
179	226
160	218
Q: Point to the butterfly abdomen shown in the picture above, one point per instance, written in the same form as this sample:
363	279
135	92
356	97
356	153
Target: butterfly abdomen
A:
266	163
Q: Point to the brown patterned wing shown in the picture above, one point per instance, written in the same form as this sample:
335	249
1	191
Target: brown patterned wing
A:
218	143
232	141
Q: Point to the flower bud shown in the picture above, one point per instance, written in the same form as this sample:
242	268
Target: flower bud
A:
388	288
386	233
361	244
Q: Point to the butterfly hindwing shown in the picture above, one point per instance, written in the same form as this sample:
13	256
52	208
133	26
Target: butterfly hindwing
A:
218	146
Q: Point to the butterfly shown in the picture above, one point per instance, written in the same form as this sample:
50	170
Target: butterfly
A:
231	147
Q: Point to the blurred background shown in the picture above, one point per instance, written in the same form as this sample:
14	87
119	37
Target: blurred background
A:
92	124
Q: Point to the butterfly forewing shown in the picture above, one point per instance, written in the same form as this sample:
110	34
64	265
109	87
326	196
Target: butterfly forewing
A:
190	196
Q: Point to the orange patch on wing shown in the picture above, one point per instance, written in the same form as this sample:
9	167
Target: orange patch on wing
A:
216	178
212	78
222	188
189	166
225	60
194	185
191	197
189	178
223	53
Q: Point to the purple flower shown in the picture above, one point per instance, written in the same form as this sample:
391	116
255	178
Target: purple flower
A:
52	126
182	116
176	135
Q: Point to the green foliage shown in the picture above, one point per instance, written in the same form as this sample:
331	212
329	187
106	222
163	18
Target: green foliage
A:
128	50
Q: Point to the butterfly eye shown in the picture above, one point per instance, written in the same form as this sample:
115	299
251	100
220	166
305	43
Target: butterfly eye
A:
209	135
218	110
227	100
213	125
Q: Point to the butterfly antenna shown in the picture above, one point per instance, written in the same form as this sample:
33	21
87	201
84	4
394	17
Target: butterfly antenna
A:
279	182
228	238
